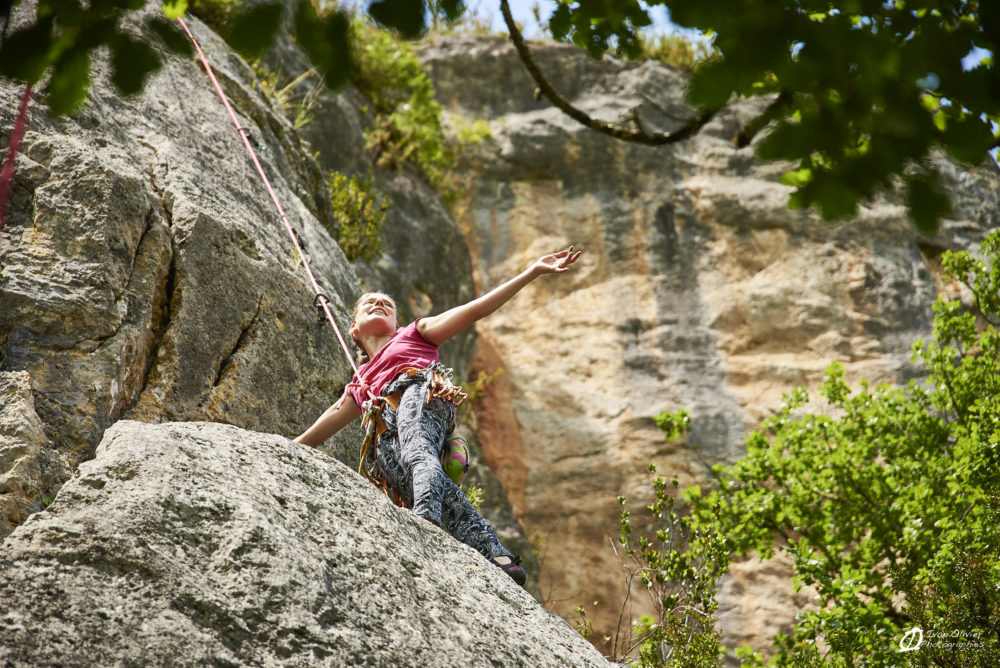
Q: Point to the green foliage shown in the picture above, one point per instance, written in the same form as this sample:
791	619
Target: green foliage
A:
867	90
677	51
677	566
863	91
470	133
216	14
475	388
360	216
599	27
325	39
583	625
673	425
475	497
889	509
60	42
407	126
299	107
64	36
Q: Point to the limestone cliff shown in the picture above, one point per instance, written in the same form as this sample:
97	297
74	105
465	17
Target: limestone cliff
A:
698	289
194	544
145	273
146	277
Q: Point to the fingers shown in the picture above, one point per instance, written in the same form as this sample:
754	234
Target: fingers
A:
568	257
559	261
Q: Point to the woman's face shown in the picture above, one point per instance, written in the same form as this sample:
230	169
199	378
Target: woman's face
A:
375	314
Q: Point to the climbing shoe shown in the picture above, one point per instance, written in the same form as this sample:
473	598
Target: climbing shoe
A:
513	569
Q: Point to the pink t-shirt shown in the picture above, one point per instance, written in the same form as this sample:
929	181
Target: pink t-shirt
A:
407	347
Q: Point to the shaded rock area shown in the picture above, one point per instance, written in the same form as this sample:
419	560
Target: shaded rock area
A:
698	288
30	470
203	544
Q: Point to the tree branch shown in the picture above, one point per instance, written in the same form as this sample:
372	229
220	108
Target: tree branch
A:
611	129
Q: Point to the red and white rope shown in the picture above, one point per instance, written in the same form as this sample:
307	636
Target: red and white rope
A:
323	300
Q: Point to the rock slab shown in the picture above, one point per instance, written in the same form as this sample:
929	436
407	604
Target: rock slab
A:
205	544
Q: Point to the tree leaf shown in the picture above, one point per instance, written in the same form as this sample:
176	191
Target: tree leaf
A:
25	53
968	140
836	199
712	85
405	17
926	204
453	9
171	36
560	22
67	87
252	29
131	61
326	42
174	9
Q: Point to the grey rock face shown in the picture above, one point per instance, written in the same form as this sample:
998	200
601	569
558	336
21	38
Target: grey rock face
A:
203	544
30	470
146	273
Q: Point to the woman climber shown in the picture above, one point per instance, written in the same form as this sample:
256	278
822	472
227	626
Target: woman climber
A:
400	366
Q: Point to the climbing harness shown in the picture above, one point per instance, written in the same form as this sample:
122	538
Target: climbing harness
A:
439	386
438	377
7	172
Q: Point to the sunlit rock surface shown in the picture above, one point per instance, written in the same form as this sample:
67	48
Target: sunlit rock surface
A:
194	544
698	288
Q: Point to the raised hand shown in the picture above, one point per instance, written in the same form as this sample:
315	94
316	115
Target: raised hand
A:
556	263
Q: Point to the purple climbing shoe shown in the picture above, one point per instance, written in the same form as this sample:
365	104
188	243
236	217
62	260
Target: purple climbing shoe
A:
513	569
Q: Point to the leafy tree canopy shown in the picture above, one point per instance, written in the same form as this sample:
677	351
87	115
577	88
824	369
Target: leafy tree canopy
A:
889	505
861	91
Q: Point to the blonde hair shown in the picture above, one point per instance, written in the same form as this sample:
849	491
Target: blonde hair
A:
363	356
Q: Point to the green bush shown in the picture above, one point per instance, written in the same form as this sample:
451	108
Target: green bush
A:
407	125
359	214
889	505
678	567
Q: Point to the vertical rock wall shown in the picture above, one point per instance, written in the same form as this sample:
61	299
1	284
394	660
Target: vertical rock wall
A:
697	289
144	269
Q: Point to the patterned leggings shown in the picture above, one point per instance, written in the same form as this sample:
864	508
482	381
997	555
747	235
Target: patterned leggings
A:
409	455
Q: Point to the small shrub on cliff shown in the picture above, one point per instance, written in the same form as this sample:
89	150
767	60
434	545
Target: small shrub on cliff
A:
677	566
407	127
360	215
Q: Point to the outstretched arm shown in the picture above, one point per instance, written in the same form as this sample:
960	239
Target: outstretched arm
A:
439	328
329	423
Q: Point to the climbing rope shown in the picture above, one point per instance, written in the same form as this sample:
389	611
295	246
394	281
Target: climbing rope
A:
7	172
373	407
321	300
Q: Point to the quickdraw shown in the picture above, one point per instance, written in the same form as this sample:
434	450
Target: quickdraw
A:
441	387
